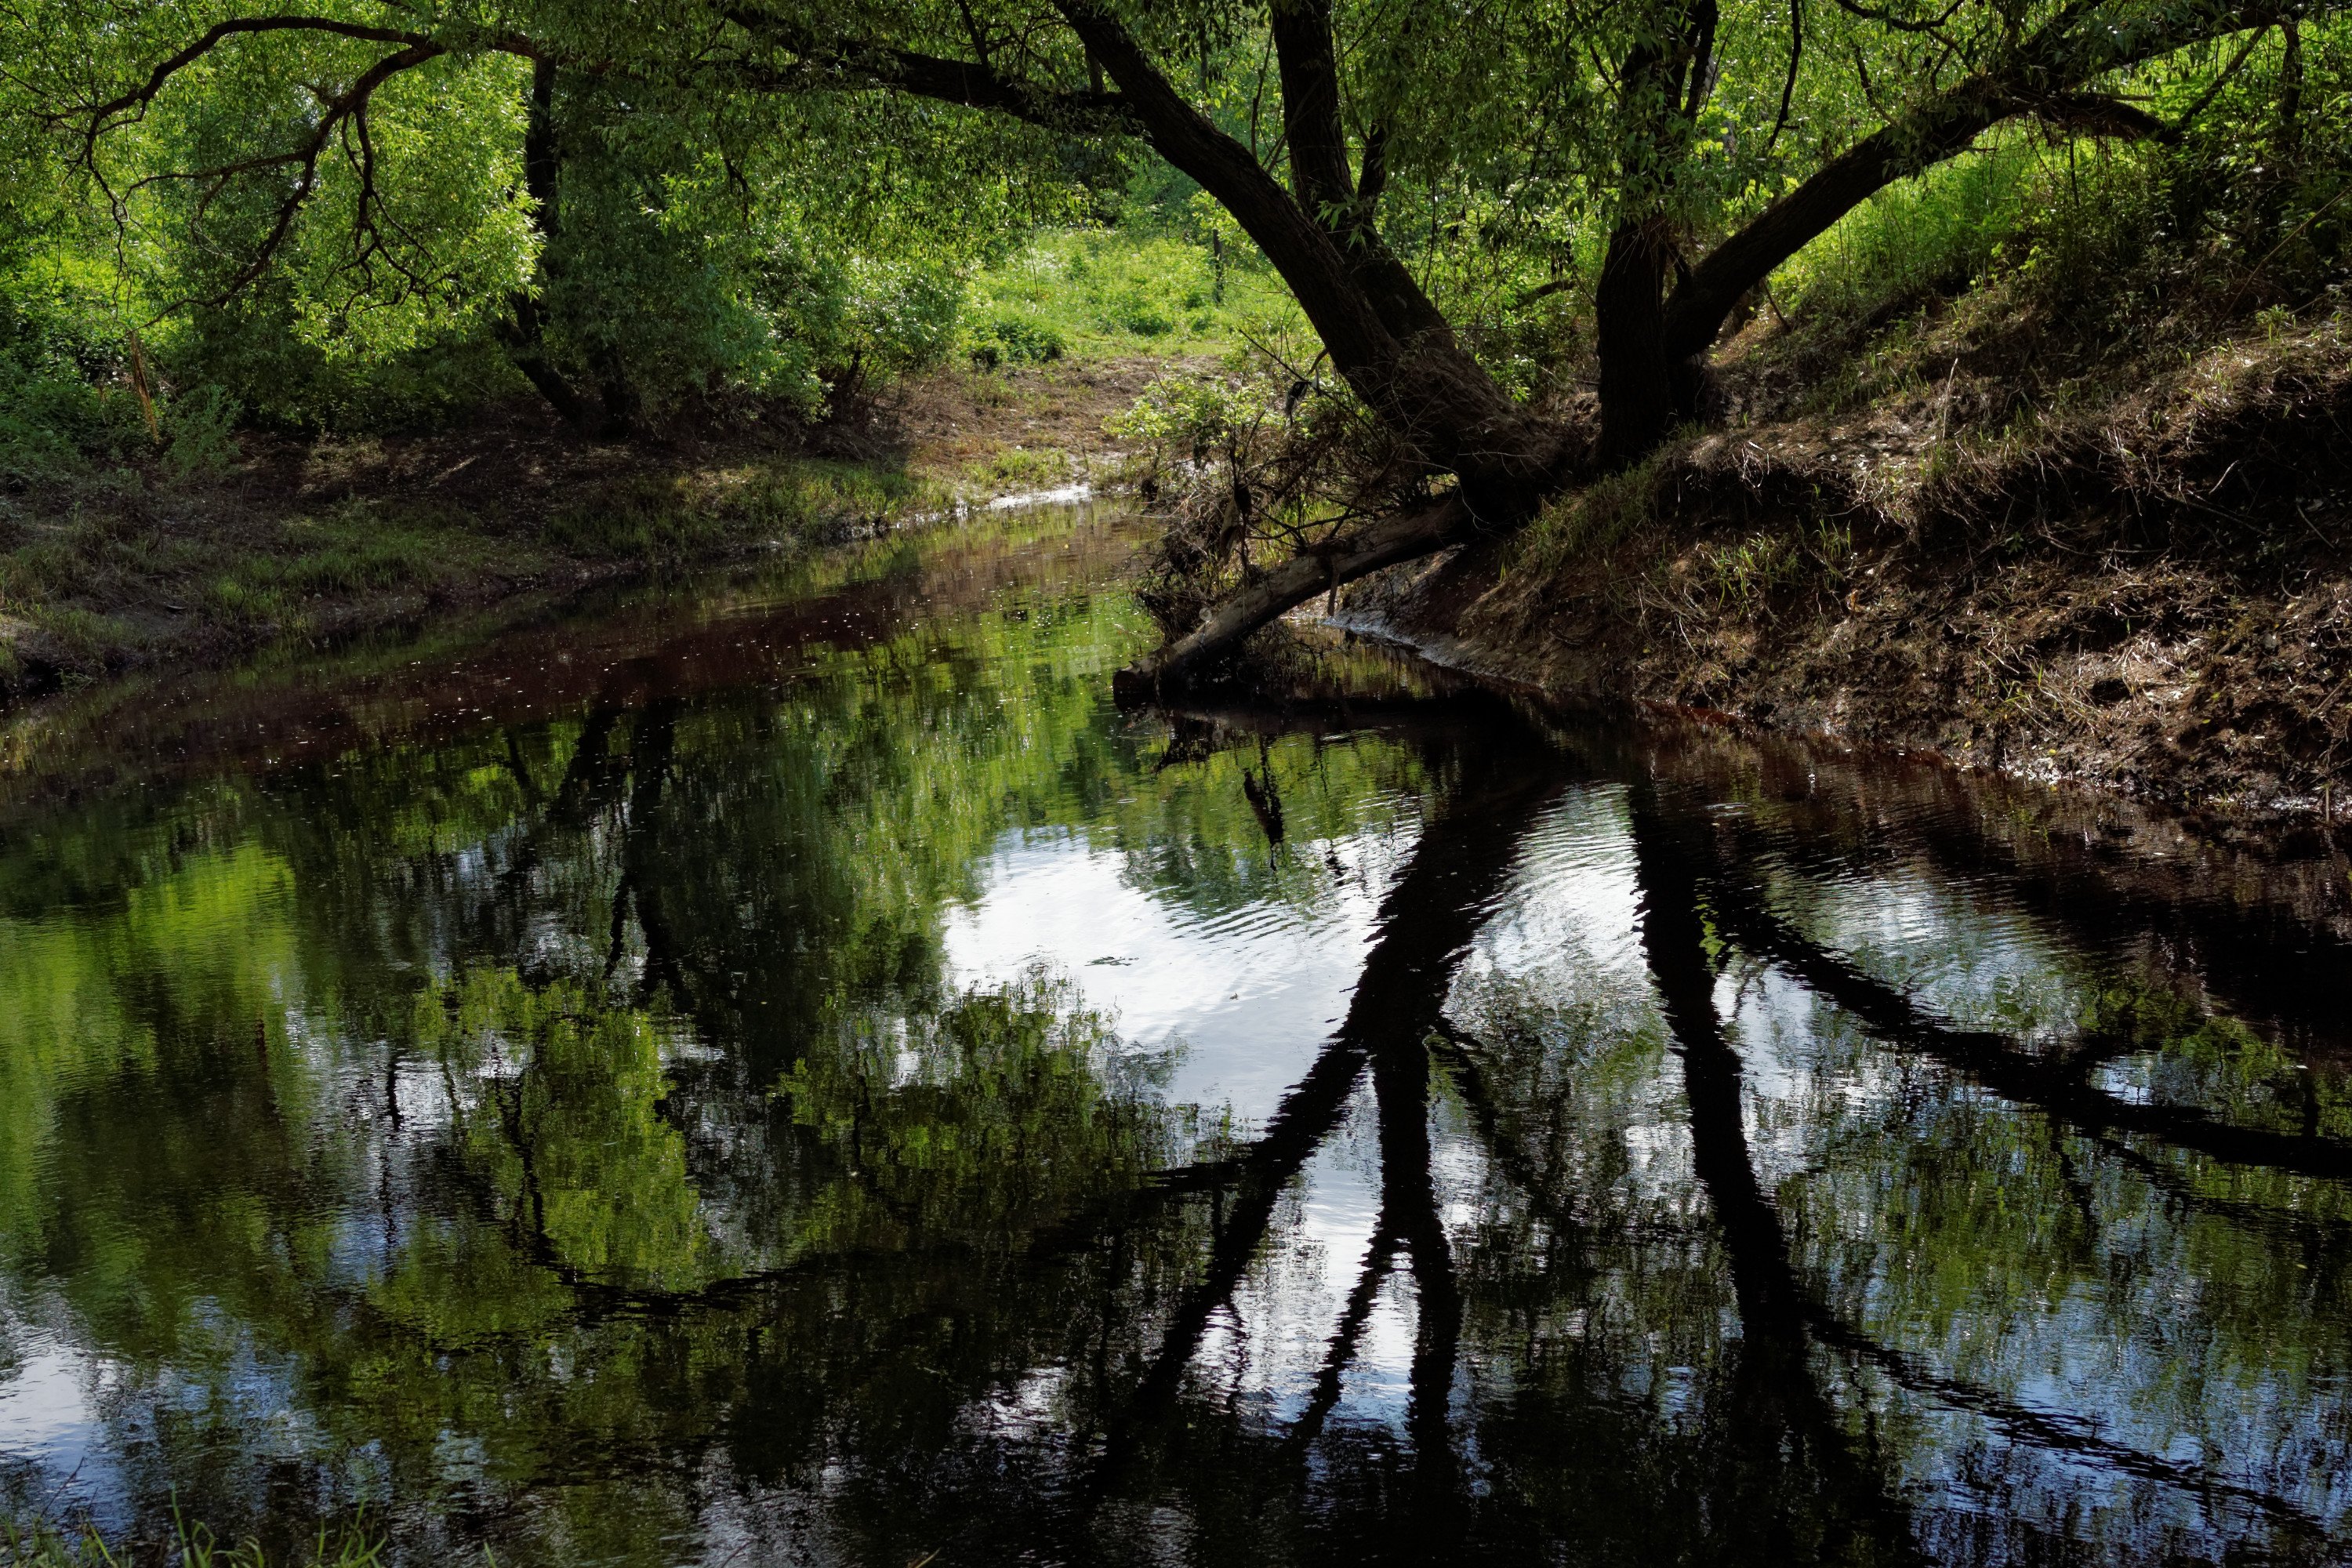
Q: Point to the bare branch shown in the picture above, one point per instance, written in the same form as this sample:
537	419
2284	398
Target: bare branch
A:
1374	178
339	110
1788	86
2179	127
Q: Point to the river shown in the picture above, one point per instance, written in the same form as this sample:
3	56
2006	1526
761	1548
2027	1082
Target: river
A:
781	1070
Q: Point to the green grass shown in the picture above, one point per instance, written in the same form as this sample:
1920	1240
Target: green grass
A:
1932	235
1101	292
1026	468
1595	519
43	1545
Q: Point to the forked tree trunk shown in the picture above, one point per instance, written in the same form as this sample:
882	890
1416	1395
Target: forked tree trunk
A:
1400	355
524	332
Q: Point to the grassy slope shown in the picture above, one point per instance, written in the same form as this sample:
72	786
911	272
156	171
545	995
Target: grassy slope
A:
2133	570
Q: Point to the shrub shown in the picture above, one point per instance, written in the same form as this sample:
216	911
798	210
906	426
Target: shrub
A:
1006	335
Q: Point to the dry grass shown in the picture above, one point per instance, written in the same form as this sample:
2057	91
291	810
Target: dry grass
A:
2139	576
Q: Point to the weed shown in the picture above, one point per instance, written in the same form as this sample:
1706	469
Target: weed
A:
1745	577
243	606
82	637
646	517
1597	517
42	1543
1027	465
1011	334
200	433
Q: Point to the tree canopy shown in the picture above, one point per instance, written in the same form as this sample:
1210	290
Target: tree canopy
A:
776	194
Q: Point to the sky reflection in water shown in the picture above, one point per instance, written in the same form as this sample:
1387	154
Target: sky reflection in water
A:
785	1072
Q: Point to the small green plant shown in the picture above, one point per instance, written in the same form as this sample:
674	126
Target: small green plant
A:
1010	336
1744	576
245	605
1027	465
1146	313
44	1543
1182	417
200	433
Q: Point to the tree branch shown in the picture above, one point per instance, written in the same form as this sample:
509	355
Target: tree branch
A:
1402	536
138	99
1788	86
1308	60
2074	46
968	83
1902	24
1375	176
352	101
2179	127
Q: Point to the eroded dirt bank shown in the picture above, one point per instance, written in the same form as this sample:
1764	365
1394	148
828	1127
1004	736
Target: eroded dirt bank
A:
2153	596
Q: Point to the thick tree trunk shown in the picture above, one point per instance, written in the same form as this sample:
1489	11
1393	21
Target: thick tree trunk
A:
524	337
622	403
1403	536
524	332
1398	355
1637	402
1393	347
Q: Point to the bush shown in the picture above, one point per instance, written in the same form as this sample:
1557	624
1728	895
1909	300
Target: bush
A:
199	429
60	356
1008	335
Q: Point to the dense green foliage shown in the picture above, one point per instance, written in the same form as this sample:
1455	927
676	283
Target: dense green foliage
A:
680	256
765	209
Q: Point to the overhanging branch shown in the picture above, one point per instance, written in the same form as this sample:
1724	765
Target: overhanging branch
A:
973	84
102	116
1401	536
2042	75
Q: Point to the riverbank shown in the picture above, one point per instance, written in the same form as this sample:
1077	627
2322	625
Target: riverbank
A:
313	541
2133	575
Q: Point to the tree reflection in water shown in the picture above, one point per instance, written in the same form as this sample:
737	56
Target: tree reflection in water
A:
575	1134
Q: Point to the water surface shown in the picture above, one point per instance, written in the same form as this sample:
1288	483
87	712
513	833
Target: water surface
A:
782	1071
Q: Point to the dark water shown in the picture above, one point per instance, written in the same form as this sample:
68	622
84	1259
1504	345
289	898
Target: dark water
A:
786	1072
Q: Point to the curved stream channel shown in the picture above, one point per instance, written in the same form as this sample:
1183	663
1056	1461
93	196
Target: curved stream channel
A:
782	1071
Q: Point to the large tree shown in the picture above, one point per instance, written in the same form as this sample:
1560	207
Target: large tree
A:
1707	141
